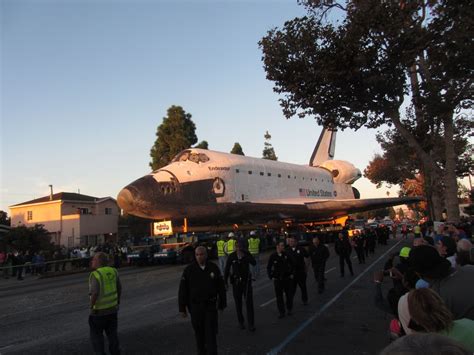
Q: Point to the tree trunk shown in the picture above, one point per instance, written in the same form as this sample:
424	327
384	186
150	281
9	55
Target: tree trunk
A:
433	191
432	172
450	181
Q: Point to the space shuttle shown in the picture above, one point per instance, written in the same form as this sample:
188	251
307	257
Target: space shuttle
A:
209	187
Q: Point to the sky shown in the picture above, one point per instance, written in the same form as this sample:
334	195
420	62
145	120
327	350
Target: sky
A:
85	84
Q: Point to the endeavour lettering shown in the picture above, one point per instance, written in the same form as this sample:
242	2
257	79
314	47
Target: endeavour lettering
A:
314	193
225	168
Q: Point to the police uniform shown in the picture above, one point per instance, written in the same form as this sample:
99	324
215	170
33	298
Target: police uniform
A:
319	255
343	249
202	292
299	255
105	283
280	269
359	243
238	269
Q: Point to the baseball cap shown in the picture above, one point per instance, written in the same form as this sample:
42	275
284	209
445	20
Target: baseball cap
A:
405	252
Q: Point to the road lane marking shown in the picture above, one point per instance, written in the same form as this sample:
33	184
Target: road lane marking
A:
267	303
303	325
160	301
331	269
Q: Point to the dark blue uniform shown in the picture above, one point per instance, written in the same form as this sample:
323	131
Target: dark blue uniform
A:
202	292
280	269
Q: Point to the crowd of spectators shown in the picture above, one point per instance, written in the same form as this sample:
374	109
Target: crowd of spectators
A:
18	263
432	289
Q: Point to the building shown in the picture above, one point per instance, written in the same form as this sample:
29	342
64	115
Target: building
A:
72	219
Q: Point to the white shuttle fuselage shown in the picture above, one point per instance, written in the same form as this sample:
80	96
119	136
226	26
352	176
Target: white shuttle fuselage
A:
212	187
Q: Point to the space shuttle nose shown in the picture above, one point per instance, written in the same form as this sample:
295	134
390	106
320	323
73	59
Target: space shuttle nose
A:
125	200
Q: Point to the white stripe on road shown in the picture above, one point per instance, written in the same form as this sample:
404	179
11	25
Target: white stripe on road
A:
267	303
303	325
160	301
331	269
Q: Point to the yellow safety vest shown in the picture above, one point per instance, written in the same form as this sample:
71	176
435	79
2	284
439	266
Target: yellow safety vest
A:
231	246
108	296
417	229
254	243
220	248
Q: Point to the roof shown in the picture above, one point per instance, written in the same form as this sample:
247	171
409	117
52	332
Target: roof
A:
64	196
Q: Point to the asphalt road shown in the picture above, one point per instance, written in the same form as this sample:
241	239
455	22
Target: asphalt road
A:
49	316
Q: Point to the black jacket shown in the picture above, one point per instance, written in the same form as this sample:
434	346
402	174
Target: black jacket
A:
298	254
200	286
343	247
280	267
238	269
318	254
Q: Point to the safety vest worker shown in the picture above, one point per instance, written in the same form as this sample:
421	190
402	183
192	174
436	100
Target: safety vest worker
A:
230	244
104	291
106	277
254	245
220	247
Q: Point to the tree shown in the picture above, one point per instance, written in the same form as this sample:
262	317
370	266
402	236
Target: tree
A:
268	151
359	71
4	219
237	149
25	238
401	214
202	145
399	162
177	132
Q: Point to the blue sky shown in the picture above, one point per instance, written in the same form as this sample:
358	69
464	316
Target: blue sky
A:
84	85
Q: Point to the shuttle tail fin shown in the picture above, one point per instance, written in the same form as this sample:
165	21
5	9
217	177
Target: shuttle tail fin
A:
325	148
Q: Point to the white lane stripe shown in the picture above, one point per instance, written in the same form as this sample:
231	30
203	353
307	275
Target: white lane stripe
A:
303	325
331	269
160	301
267	303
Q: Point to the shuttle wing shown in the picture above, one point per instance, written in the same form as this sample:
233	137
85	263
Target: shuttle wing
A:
340	207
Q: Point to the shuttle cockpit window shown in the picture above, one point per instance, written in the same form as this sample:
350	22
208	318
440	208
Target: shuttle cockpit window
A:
194	157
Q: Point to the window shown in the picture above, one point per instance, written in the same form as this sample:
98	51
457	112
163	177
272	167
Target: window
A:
191	156
108	210
237	171
250	172
29	215
279	175
269	174
261	173
83	211
289	176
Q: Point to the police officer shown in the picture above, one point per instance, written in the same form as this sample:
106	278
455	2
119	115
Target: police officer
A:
238	269
300	256
319	254
343	248
229	248
221	255
359	244
254	249
280	269
104	291
202	292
